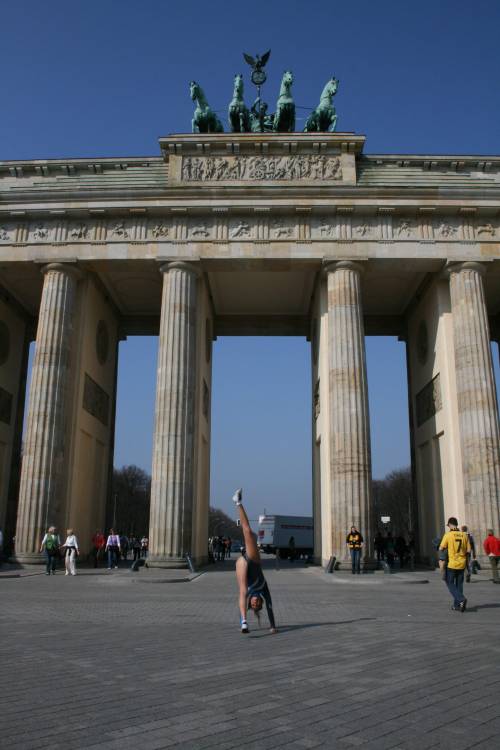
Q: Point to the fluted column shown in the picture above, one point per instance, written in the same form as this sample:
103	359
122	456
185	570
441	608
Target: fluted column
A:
44	454
172	485
476	399
350	459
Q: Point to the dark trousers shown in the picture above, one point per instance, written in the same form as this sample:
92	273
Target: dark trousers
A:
137	553
50	564
455	583
356	560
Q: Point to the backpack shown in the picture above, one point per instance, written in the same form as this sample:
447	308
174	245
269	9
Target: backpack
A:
50	543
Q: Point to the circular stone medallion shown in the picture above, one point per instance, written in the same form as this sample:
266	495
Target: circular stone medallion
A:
102	342
4	342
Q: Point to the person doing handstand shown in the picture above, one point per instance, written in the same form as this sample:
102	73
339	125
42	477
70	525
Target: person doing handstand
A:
251	581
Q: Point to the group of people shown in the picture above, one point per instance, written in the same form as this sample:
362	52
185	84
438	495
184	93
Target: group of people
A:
390	549
113	547
219	548
116	547
386	548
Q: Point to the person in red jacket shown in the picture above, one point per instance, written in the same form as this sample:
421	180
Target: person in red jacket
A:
492	548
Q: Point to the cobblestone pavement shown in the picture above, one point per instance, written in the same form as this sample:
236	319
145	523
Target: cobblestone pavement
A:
115	661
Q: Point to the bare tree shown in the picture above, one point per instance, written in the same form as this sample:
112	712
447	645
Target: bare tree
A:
393	496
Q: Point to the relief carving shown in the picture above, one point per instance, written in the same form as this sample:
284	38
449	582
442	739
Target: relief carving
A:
4	235
447	230
40	232
242	229
95	400
281	230
327	230
428	401
307	167
362	230
486	229
160	230
199	230
79	232
405	229
120	230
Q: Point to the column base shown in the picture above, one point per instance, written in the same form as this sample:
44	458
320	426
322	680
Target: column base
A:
160	561
28	558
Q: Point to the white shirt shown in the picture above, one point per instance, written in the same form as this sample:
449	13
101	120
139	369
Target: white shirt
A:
71	541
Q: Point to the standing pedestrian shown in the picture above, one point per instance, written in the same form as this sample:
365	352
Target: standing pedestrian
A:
228	547
136	547
389	549
71	552
144	546
98	545
291	547
454	548
379	545
113	549
50	545
492	548
470	558
354	541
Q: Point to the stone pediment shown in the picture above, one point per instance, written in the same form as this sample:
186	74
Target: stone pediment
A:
259	160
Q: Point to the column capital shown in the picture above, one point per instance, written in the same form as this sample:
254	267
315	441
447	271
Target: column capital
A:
342	265
466	265
181	265
69	268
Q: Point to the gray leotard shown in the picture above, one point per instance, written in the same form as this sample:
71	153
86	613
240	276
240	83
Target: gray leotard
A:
256	585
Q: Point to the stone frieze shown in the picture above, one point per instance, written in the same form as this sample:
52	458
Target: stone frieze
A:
344	224
257	168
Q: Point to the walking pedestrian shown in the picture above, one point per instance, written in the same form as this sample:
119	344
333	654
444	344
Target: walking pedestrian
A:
113	549
454	548
354	541
291	547
491	546
71	552
252	584
228	547
50	545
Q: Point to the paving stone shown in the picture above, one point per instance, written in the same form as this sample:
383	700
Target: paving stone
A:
110	663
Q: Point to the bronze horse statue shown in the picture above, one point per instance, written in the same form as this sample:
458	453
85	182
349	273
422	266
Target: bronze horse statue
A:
204	119
324	117
238	114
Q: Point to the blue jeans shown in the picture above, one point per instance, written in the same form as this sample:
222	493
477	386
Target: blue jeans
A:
112	557
356	560
50	565
455	583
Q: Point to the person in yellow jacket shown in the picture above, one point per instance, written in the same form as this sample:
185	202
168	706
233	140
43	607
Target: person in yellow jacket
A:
454	548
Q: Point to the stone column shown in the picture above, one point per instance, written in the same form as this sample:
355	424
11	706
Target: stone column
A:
350	459
45	445
476	400
172	485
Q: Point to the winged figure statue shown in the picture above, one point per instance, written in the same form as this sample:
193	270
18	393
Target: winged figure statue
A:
259	61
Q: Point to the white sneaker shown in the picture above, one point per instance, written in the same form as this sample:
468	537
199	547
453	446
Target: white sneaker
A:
66	574
237	497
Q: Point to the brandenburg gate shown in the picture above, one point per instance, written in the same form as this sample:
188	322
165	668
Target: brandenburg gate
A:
251	233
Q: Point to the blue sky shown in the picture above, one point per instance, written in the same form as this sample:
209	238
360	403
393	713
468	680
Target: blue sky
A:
107	78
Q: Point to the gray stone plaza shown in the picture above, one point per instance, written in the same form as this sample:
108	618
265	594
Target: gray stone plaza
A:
153	661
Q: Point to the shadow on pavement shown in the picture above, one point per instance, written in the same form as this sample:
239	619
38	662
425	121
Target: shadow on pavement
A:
306	626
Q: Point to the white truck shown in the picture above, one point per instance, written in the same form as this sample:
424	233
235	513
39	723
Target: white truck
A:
275	533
